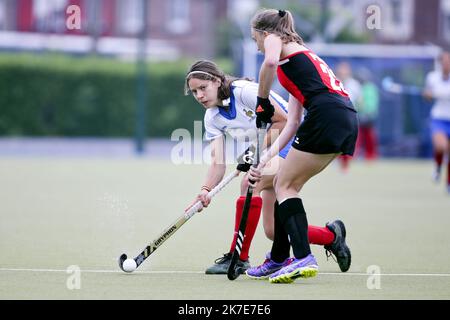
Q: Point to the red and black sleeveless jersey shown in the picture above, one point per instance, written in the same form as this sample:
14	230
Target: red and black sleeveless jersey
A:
308	78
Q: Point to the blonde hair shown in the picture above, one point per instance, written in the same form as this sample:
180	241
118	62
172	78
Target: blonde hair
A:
279	22
208	70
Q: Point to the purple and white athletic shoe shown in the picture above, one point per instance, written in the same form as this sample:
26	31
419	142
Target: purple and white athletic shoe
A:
298	268
267	268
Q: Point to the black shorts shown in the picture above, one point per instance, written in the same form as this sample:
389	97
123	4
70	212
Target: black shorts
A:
329	127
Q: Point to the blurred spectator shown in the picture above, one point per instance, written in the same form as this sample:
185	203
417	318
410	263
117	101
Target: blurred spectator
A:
367	107
437	88
353	87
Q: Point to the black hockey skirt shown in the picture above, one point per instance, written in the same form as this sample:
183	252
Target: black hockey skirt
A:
328	128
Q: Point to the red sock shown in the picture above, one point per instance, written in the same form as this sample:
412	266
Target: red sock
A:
320	235
371	144
438	156
252	222
448	172
345	162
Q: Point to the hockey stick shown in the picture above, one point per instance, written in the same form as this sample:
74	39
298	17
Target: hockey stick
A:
167	233
233	271
389	85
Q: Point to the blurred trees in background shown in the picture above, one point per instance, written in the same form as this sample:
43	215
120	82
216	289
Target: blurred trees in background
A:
56	95
319	21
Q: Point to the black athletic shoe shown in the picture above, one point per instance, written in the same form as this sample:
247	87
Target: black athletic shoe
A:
339	248
221	264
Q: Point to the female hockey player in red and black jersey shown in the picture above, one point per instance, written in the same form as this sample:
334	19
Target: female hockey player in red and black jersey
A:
329	129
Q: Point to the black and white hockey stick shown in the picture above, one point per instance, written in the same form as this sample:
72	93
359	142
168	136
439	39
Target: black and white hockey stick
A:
233	270
167	233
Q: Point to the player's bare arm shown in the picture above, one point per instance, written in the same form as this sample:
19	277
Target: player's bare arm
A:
272	51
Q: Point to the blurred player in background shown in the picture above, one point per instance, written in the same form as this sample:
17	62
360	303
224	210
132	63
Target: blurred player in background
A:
329	129
353	87
367	108
437	88
229	105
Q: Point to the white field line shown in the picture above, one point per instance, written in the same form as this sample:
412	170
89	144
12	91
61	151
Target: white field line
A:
201	272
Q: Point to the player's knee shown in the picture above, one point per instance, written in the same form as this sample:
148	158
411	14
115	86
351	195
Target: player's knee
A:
287	187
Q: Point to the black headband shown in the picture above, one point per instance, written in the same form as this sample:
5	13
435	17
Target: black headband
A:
281	13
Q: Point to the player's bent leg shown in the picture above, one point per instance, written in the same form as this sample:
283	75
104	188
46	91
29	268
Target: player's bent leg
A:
298	168
267	192
440	147
269	198
254	214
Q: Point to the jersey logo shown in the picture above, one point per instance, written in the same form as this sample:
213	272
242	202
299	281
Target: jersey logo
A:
249	113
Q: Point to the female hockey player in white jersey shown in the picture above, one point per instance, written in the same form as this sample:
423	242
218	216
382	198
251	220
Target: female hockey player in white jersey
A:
230	111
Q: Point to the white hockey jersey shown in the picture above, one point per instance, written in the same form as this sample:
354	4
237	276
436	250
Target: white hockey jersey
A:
238	121
440	89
